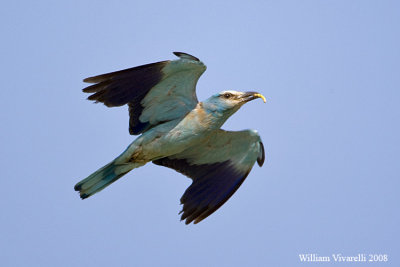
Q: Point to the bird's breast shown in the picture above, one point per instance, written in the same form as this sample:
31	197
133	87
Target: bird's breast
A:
175	136
197	124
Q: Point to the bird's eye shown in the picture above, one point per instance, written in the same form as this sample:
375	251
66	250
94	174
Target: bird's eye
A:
227	95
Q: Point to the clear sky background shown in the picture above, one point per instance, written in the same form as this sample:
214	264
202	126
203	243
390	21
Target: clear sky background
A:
330	72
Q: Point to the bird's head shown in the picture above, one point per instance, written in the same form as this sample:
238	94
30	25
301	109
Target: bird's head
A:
226	103
230	101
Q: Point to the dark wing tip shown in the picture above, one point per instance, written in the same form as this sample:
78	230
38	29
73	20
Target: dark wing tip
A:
213	184
185	56
140	71
197	214
88	80
261	156
125	86
203	198
78	187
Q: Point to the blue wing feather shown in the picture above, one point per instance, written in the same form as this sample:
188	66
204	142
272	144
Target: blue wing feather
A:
150	91
217	167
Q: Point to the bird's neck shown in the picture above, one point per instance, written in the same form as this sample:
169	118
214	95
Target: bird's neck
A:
216	114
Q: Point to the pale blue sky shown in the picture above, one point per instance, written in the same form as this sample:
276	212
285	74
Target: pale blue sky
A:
330	72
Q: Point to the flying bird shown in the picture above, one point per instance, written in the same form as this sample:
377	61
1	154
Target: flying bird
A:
177	131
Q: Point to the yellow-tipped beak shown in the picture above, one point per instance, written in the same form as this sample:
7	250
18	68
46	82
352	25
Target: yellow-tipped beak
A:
260	96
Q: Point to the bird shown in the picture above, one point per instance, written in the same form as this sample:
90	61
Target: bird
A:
177	131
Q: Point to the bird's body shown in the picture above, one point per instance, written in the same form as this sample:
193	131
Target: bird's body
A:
178	132
175	136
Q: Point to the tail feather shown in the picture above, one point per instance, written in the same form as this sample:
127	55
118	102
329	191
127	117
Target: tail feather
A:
102	178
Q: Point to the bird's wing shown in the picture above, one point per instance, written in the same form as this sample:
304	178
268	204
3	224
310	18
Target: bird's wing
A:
217	167
155	93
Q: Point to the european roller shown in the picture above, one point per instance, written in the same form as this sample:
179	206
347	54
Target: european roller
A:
177	131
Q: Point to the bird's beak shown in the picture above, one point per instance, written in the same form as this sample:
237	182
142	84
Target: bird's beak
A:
248	96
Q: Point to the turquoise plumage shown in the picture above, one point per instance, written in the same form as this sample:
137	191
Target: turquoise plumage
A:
178	132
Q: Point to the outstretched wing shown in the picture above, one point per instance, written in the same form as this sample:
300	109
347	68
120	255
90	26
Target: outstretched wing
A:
155	93
217	168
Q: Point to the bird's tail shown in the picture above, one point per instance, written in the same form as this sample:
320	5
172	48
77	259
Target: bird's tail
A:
102	178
